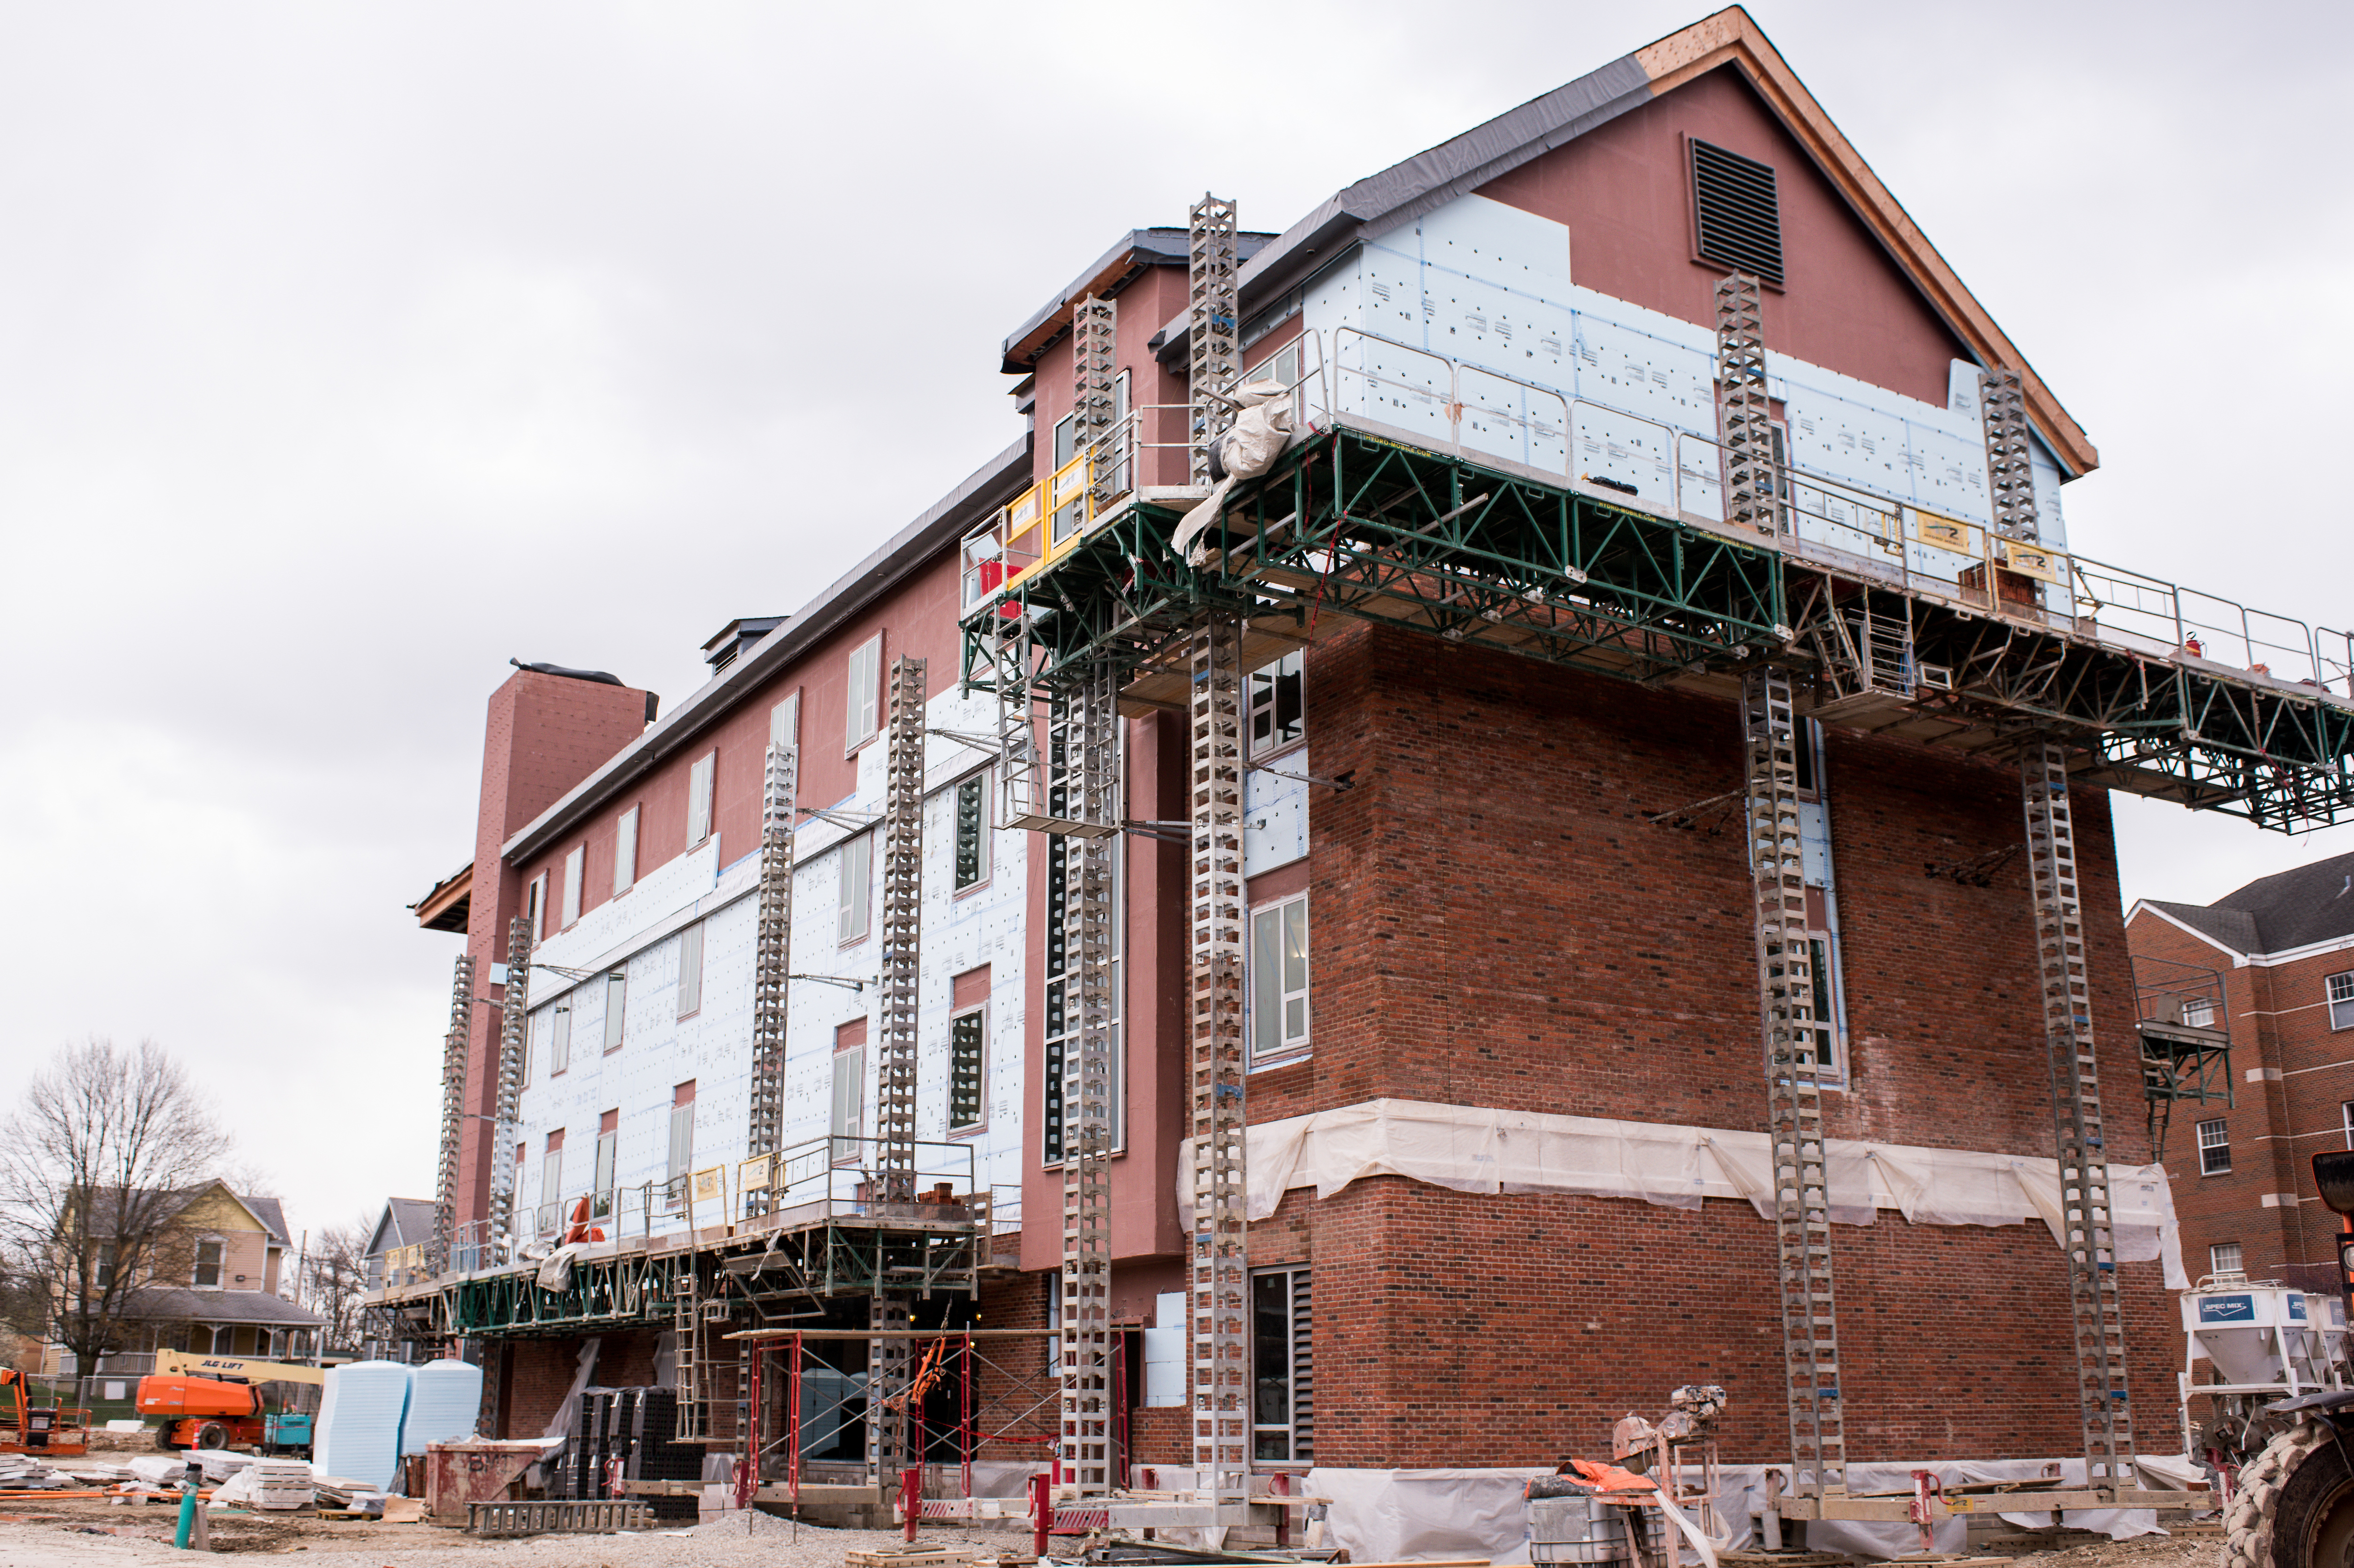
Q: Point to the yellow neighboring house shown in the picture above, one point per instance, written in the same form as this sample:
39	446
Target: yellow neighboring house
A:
231	1251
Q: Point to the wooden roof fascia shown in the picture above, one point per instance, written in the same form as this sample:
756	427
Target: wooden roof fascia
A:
1732	37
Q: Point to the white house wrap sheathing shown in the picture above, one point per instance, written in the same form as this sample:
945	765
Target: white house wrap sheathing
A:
1474	1149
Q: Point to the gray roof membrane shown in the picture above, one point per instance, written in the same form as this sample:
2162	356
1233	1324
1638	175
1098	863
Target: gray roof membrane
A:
2280	913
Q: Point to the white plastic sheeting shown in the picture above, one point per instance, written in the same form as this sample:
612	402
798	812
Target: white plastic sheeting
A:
1473	1149
1390	1516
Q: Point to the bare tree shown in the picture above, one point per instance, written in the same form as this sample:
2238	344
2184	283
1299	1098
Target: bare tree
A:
335	1273
95	1166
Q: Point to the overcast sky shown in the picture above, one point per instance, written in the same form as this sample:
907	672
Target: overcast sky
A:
347	350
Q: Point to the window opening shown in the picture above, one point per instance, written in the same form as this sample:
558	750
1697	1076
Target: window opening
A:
849	1119
207	1272
690	970
551	1178
559	1042
2198	1012
625	852
2214	1148
698	797
1278	981
968	1037
1283	1405
575	864
682	1143
857	886
2223	1257
609	1147
865	697
616	1001
785	721
535	907
972	830
2342	1000
1277	707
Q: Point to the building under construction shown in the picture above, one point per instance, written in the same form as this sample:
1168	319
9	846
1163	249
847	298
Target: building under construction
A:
1499	804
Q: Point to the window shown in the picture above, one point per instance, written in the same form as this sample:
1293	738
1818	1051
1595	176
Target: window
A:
1062	1025
2198	1012
105	1267
534	908
625	852
560	1040
551	1175
1278	981
848	1124
608	1145
1737	212
865	705
785	721
857	885
2223	1257
2342	1000
690	970
1278	716
208	1264
225	1341
1283	1403
2346	1121
968	1052
575	864
682	1141
973	832
698	797
617	1001
2214	1148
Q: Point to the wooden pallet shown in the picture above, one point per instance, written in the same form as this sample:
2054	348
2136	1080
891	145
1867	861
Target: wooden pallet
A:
942	1559
565	1517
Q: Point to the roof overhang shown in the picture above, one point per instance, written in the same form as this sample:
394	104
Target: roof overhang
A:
445	907
1118	268
1454	168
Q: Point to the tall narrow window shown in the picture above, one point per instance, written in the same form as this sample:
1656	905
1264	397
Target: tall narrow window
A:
682	1141
617	1001
848	1122
785	721
1278	981
857	886
534	908
968	1049
2346	1121
625	852
559	1035
2214	1148
209	1265
2342	1000
609	1147
973	832
1283	1402
1278	713
690	970
104	1266
575	865
863	703
698	797
551	1178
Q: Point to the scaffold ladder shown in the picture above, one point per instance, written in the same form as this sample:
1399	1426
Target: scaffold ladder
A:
1094	369
515	1023
1212	325
686	1353
1085	786
897	985
2010	455
1750	483
453	1112
1786	1000
771	964
1219	1261
2087	1237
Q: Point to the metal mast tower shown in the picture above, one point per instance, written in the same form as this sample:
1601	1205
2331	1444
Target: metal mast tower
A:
1213	326
2010	466
1793	1038
1749	481
2088	1236
514	1022
899	963
453	1112
772	960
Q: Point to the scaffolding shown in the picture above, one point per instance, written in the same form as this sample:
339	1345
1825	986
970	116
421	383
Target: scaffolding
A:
514	1034
773	955
454	1048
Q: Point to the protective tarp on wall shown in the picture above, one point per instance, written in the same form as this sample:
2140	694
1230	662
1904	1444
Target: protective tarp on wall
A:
1473	1149
1393	1516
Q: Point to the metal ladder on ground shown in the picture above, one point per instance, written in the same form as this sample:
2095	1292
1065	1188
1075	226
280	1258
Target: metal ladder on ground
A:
1786	1000
2088	1236
454	1046
686	1320
899	940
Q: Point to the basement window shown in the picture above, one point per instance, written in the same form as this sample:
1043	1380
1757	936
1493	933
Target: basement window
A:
2342	1000
1283	1401
1737	212
2214	1148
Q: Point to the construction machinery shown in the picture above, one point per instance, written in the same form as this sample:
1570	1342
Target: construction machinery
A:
216	1401
2294	1505
31	1429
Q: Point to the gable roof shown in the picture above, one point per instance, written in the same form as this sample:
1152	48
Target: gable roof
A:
2277	914
175	1201
1114	270
1432	178
405	1221
271	1212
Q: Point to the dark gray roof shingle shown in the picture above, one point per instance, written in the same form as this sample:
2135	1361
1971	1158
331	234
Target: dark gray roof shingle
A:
2280	913
177	1304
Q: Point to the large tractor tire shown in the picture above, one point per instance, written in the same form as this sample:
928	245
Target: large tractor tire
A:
164	1437
212	1434
2295	1508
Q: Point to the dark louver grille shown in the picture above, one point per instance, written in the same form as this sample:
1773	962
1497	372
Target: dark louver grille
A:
1739	221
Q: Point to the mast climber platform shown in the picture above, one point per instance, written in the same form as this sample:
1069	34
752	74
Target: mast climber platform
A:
2012	657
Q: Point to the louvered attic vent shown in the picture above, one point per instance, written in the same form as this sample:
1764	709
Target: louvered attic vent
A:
1739	221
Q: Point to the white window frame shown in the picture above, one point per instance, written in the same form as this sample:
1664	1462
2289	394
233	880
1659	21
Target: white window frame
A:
617	1008
559	1034
1261	697
846	1112
625	852
698	797
977	781
551	1178
609	1158
682	1150
979	1013
2345	1121
689	970
1297	1290
2339	990
785	721
854	907
2217	1262
220	1263
535	907
862	707
2204	1005
2220	1143
1286	1048
575	870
